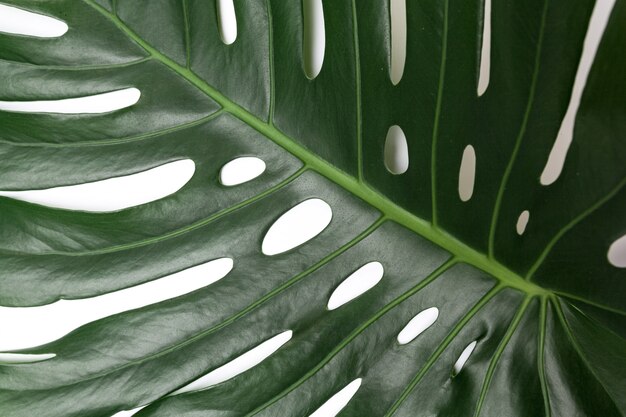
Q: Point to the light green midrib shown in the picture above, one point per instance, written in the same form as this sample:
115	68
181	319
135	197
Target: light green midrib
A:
389	209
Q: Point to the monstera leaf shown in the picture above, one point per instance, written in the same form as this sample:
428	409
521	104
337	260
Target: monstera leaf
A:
540	310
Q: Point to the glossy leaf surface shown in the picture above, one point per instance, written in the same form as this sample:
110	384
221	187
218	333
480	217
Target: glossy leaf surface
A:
546	308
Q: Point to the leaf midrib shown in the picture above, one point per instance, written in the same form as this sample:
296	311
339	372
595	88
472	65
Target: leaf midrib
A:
390	210
359	188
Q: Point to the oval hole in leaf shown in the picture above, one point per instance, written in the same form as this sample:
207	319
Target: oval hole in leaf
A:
337	402
15	358
485	51
238	365
467	173
114	193
241	170
360	281
296	226
314	37
32	326
422	321
460	363
398	40
522	222
227	21
617	253
396	151
597	25
97	103
21	22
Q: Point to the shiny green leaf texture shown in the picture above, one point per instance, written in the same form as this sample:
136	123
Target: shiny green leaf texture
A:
544	303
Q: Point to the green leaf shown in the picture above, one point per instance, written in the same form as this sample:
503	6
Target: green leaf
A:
546	308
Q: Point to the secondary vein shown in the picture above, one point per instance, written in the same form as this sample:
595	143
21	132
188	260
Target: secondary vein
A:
541	366
433	276
435	137
442	346
520	136
245	310
498	354
359	111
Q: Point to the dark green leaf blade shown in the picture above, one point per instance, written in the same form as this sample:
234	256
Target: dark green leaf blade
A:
546	308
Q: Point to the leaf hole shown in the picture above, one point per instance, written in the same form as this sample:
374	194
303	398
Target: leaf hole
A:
227	21
113	194
128	413
337	402
485	51
32	326
396	154
398	40
17	358
467	173
297	226
22	22
238	365
418	324
94	104
617	253
597	25
522	222
359	282
241	170
460	362
314	37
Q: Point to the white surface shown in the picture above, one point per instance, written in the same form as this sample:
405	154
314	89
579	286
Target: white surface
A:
522	222
485	52
597	25
227	21
467	173
396	151
22	22
241	170
460	363
128	413
314	37
297	226
398	40
97	103
24	327
617	253
114	193
337	402
360	281
422	321
238	365
24	357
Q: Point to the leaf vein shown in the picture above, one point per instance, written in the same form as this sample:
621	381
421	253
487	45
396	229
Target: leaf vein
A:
498	354
443	345
177	232
243	312
434	275
522	132
583	358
